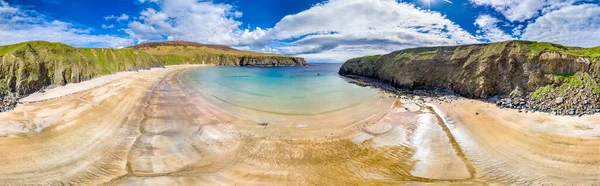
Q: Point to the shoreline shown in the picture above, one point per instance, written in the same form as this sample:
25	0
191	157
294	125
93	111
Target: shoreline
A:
151	129
72	88
502	102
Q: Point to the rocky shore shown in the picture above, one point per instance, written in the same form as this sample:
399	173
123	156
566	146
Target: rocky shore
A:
418	95
557	106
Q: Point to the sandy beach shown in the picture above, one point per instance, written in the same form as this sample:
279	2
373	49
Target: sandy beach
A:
147	128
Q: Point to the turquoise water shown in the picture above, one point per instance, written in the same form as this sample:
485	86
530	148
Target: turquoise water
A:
307	90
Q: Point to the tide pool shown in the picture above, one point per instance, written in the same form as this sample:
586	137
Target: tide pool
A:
309	90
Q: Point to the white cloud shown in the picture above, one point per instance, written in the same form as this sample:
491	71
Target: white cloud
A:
18	25
488	28
191	20
144	1
339	29
518	30
6	9
521	10
123	17
577	25
104	26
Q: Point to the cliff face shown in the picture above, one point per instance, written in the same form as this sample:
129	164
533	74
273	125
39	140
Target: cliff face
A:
29	67
182	52
477	71
230	60
539	71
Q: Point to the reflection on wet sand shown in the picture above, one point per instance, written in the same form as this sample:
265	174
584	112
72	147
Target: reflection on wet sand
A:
153	129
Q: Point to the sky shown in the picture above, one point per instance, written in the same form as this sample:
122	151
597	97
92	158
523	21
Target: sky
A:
319	30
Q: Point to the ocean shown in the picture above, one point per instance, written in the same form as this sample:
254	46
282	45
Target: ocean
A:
309	90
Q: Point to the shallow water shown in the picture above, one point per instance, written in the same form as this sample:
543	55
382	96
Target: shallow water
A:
307	90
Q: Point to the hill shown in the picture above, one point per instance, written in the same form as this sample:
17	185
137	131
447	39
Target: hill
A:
536	76
184	52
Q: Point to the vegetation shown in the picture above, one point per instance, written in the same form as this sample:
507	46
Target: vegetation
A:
484	69
541	92
537	47
462	52
423	54
563	82
182	52
372	58
30	66
4	89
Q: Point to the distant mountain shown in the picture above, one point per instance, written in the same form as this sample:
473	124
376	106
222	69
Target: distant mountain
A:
539	76
31	66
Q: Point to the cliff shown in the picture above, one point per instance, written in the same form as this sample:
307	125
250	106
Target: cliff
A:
183	52
28	67
538	72
31	66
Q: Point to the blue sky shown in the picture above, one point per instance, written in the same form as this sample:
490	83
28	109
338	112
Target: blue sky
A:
332	30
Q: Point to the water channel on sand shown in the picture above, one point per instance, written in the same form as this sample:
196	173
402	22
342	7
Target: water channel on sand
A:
156	128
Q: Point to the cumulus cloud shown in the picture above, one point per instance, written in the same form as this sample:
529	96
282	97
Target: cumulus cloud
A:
6	9
488	28
192	20
339	29
521	10
19	25
122	17
577	25
343	27
104	26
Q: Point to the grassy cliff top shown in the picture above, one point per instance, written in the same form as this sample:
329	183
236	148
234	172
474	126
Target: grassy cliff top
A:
32	44
180	43
183	48
533	49
186	48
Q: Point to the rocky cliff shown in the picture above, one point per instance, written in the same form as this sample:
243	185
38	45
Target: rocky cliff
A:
31	66
28	67
547	77
184	52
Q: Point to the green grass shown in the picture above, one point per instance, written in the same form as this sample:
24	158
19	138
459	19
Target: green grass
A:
10	48
372	58
536	47
413	55
570	79
565	81
462	52
541	92
495	48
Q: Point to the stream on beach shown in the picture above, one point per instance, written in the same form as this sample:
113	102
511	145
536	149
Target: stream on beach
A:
284	126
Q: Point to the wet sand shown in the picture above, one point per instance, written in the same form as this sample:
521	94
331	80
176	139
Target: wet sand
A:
149	129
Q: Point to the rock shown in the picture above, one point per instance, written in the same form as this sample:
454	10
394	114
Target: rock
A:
517	92
559	100
494	99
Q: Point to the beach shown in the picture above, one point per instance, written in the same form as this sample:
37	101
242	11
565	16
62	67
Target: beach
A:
151	128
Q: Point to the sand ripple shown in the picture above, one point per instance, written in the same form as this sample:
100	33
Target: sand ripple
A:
150	129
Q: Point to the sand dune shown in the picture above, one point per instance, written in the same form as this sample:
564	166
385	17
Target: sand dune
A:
147	128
